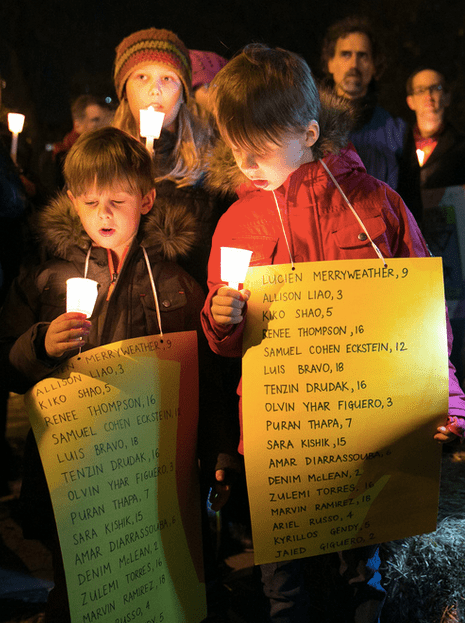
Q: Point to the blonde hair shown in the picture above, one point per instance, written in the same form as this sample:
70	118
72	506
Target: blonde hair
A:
194	138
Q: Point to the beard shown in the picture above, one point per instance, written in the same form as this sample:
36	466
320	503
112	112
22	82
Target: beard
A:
352	84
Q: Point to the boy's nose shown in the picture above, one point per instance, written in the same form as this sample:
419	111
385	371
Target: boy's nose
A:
104	210
248	161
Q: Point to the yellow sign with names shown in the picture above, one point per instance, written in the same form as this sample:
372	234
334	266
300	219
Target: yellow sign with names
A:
345	380
116	429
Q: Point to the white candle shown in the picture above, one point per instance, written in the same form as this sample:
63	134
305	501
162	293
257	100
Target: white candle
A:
15	125
234	265
150	124
81	295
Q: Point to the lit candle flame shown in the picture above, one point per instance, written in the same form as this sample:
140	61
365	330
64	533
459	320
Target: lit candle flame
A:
150	125
15	125
420	156
234	265
15	122
81	295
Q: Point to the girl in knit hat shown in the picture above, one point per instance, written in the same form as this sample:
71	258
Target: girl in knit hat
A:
153	68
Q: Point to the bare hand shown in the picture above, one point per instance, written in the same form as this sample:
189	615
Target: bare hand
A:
444	436
220	491
228	304
65	333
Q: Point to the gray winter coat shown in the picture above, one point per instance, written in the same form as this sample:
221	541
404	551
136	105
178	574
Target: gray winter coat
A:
38	296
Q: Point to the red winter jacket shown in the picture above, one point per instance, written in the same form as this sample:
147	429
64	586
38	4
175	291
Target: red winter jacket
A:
319	226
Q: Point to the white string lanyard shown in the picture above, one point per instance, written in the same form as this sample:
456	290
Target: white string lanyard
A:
377	251
86	265
284	231
155	296
149	268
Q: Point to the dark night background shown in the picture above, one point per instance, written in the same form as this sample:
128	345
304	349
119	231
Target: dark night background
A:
53	50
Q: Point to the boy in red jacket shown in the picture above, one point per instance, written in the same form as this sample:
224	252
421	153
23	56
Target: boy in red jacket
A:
306	197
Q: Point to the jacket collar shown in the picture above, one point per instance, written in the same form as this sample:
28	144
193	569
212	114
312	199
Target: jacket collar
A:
168	229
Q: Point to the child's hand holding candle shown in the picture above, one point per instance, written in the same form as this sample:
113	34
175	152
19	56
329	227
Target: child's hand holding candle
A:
68	330
227	306
66	333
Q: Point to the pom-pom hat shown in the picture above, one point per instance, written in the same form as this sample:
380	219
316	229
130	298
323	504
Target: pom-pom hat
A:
152	45
205	66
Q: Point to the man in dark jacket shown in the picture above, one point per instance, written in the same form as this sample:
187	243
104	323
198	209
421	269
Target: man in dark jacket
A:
353	62
434	157
434	151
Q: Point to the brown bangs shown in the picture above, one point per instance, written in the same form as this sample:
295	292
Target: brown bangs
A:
102	175
250	137
105	158
262	94
257	118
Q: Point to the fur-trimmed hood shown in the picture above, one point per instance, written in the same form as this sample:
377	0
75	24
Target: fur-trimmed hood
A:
337	119
169	228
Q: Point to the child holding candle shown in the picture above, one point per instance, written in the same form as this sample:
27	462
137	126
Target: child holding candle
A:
305	197
102	229
153	69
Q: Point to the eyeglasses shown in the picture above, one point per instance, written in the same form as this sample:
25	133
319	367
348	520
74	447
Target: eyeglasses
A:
434	88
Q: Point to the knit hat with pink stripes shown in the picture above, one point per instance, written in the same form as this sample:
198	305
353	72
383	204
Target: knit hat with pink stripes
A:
152	45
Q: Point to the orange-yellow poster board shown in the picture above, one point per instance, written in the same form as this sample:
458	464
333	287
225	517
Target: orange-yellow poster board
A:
116	429
345	379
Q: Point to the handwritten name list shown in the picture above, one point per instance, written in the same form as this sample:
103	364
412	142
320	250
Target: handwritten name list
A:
345	379
110	426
